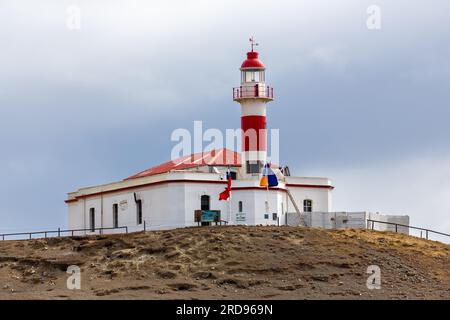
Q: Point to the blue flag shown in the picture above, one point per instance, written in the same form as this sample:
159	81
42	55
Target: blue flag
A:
272	180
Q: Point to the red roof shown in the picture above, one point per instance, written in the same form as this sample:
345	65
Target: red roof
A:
252	61
220	157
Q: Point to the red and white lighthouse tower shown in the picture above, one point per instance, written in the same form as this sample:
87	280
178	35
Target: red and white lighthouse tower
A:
253	94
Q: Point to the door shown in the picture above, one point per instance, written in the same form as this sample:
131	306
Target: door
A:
205	205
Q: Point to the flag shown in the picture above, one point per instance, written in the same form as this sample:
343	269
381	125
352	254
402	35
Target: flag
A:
271	177
225	195
268	179
264	182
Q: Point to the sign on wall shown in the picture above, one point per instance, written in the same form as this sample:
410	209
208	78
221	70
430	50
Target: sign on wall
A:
210	216
123	205
207	215
240	217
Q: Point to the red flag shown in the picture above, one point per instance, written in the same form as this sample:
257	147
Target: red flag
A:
225	195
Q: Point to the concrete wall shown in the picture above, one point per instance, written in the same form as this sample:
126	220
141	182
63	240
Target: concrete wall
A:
169	202
337	220
254	207
172	205
320	192
389	218
321	199
192	200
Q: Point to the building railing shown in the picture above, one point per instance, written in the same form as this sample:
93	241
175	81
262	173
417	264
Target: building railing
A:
58	233
256	91
371	225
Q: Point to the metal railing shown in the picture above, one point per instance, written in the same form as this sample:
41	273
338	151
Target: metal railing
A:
372	223
58	233
219	222
256	91
73	232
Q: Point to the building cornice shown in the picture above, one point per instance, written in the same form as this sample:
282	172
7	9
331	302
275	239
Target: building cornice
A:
161	182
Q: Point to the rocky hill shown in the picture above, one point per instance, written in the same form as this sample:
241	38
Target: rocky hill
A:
227	263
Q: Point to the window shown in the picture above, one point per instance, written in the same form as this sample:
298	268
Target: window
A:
252	76
240	206
307	205
92	219
139	211
254	167
274	216
205	203
115	215
266	216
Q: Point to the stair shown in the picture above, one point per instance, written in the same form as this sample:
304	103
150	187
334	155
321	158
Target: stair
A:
302	220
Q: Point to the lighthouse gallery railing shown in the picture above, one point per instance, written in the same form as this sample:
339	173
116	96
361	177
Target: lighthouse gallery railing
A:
256	91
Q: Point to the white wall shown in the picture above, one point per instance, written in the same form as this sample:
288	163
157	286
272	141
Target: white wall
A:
389	218
168	205
336	220
75	215
321	198
254	206
172	205
192	195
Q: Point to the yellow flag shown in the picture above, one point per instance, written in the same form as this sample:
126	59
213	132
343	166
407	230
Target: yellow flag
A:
264	182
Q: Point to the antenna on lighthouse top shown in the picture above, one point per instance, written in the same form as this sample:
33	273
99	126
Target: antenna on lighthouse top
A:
253	42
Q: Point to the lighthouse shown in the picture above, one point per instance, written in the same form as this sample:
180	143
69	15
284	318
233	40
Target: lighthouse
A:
253	94
184	193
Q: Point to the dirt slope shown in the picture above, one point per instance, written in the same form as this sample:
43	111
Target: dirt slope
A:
227	262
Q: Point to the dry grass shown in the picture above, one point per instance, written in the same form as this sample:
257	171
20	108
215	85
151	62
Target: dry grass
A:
227	262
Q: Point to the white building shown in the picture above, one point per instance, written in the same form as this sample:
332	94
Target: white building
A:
169	195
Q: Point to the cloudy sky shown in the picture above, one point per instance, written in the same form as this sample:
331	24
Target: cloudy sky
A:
367	108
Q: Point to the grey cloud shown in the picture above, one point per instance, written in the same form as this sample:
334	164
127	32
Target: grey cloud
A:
84	107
